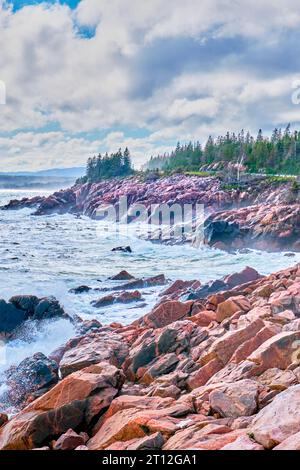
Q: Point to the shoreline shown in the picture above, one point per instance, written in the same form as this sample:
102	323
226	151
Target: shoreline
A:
264	214
210	372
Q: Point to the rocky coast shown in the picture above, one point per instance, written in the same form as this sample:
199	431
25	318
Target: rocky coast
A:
260	213
211	366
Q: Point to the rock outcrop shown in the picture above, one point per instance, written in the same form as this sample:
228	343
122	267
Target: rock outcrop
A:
173	381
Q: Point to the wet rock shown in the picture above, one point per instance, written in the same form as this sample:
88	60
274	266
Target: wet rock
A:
69	441
33	375
123	298
10	318
80	290
15	204
27	303
75	400
124	249
88	326
122	276
47	308
158	280
220	231
179	288
61	202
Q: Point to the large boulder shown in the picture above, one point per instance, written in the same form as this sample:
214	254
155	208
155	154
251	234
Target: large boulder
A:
34	375
246	275
225	346
235	400
47	308
135	423
91	349
123	298
166	313
69	441
231	306
10	318
73	402
279	420
220	231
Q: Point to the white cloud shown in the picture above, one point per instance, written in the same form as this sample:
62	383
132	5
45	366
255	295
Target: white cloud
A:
55	75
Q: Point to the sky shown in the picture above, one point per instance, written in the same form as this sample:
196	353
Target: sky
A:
90	76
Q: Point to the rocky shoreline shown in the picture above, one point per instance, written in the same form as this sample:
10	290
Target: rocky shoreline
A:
211	367
263	213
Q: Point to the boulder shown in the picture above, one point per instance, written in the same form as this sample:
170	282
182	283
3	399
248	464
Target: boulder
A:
91	349
210	288
27	303
243	443
10	318
122	276
124	249
279	351
152	442
202	435
161	366
235	400
231	306
248	347
132	423
224	347
279	420
74	401
158	280
47	308
123	298
201	376
291	443
80	290
246	275
69	441
32	376
166	313
220	231
3	419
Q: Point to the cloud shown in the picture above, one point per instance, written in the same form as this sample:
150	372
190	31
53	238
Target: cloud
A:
179	72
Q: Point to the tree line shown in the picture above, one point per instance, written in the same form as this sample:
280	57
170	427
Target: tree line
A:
278	154
104	167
